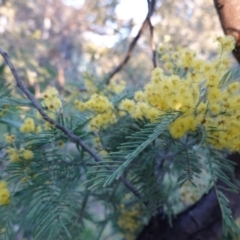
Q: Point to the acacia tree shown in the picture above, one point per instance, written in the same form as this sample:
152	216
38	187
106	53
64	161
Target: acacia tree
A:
203	218
132	148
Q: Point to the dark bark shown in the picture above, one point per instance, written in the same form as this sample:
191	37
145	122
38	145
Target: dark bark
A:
199	222
229	15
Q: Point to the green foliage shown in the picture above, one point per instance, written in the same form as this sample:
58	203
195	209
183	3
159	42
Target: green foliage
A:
223	169
45	195
125	170
49	199
137	142
62	192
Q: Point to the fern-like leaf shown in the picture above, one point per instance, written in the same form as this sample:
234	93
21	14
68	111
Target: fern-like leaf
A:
137	142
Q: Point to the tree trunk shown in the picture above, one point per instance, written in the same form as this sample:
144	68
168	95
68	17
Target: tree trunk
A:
229	15
202	221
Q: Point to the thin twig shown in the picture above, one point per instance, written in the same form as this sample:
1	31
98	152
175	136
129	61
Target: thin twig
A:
147	21
71	135
151	7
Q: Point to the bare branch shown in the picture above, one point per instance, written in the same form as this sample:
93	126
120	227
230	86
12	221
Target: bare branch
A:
71	135
147	21
151	7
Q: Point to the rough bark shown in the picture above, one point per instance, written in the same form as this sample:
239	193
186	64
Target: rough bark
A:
229	15
199	222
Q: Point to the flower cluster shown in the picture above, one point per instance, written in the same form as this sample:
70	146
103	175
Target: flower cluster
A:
51	101
15	155
116	87
53	105
197	90
4	193
226	43
163	94
9	138
129	220
103	109
29	126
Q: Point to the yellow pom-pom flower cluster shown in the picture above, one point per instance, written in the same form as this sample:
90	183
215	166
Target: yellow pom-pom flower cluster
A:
194	88
26	154
29	126
227	43
129	220
9	138
51	101
4	193
103	109
116	87
52	104
163	94
15	155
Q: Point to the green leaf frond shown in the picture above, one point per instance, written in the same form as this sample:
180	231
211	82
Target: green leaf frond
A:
135	144
230	76
5	90
146	180
188	164
7	222
7	99
230	227
223	169
15	101
50	209
47	189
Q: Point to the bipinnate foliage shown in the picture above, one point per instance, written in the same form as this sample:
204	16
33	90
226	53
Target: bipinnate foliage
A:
129	151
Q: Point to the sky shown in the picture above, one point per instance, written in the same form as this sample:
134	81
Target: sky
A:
126	10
